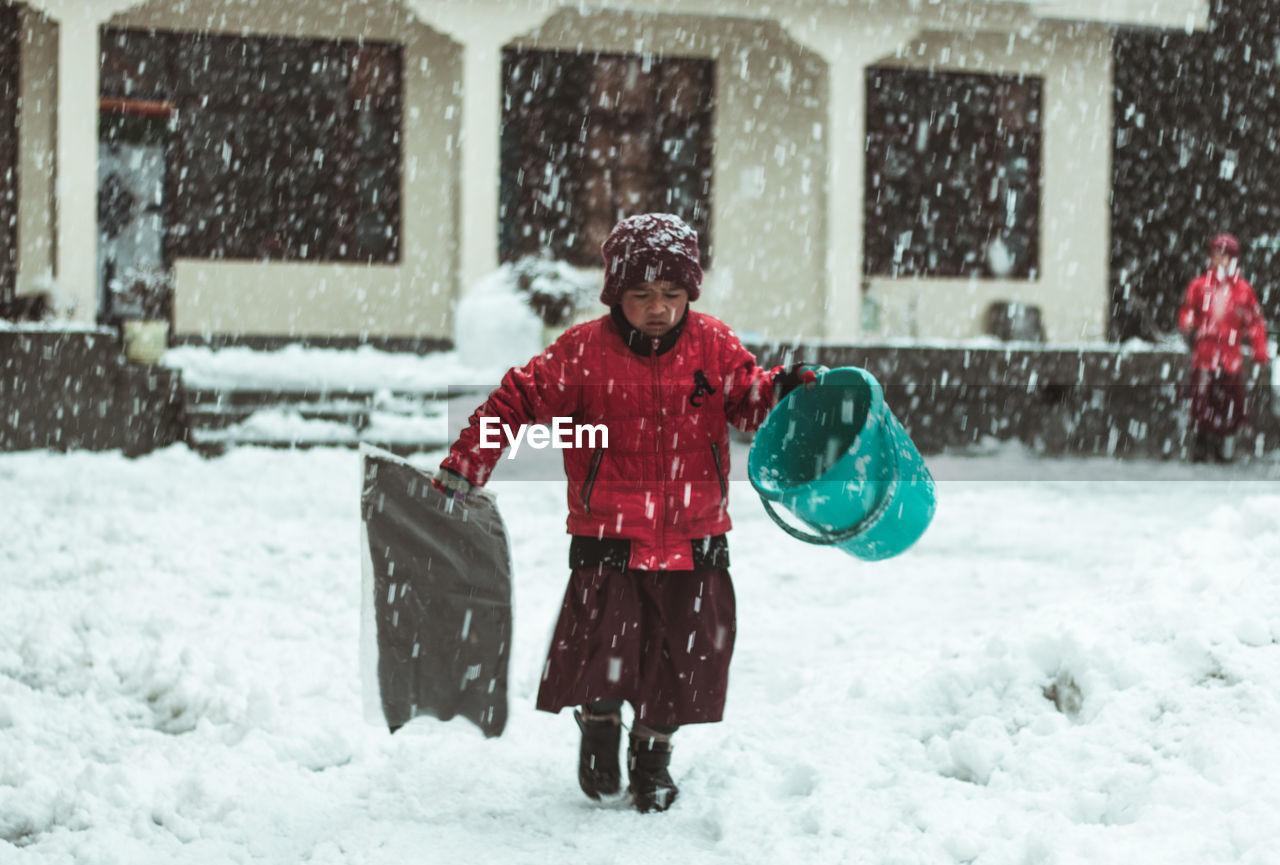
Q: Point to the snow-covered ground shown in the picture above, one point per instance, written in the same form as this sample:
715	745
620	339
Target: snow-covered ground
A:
179	678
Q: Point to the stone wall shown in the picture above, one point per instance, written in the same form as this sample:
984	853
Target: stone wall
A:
74	390
1057	401
68	390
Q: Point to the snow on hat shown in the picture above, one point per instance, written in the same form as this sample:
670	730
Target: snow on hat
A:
1225	243
648	247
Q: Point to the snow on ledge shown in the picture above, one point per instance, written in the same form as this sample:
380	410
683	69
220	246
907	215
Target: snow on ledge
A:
54	327
296	367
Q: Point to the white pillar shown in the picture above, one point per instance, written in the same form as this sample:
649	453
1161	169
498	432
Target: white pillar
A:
482	35
846	138
37	145
849	48
845	193
77	163
481	169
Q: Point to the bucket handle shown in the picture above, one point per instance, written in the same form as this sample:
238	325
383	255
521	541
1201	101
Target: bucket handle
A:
845	534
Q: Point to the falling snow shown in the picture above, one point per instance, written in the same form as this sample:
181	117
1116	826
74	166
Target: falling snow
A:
1079	662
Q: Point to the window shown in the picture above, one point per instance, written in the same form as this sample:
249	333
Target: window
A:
9	52
282	148
952	174
591	139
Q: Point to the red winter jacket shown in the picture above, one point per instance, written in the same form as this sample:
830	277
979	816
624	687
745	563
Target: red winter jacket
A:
1220	312
663	479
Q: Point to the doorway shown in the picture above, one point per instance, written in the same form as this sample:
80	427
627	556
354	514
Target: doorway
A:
134	272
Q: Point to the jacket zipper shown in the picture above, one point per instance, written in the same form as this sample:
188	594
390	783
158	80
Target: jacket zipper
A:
724	489
590	482
662	462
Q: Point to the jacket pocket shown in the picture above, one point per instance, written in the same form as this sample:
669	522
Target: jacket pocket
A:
724	486
590	482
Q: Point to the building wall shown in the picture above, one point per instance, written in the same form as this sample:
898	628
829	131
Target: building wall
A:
1074	62
770	274
412	298
1185	15
787	211
789	169
10	29
38	144
768	207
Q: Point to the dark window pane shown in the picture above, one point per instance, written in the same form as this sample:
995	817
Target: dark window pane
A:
952	174
590	139
136	65
284	148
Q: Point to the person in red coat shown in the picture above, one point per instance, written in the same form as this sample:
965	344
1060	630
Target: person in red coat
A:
1219	312
648	617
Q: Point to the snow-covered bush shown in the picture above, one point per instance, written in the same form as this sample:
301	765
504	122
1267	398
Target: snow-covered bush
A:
501	319
555	290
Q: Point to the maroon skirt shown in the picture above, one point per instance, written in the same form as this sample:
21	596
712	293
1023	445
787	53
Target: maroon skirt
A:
1217	402
660	640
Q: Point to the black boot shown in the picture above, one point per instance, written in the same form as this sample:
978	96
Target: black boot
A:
648	760
598	771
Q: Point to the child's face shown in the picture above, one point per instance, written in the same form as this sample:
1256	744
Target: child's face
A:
653	308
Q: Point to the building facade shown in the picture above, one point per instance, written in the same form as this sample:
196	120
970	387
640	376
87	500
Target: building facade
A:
330	170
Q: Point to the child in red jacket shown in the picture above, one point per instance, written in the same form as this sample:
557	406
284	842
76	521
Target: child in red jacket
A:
648	617
1219	311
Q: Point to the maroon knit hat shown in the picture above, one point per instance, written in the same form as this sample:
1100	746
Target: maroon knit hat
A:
648	247
1225	243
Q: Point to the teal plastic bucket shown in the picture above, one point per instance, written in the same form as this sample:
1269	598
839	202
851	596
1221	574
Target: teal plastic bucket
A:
836	458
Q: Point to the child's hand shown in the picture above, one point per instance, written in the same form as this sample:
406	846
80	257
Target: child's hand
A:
809	375
799	374
451	484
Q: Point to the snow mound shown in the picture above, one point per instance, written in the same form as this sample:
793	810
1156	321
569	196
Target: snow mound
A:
494	326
